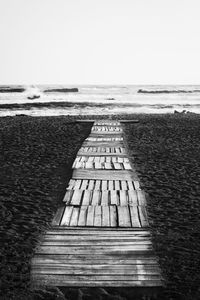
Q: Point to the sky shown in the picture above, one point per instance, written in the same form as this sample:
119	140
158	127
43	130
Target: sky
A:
99	42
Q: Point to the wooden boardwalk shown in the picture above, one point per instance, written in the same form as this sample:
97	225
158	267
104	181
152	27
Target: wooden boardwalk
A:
100	236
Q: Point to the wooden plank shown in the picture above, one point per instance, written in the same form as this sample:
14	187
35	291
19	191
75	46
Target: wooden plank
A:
71	184
85	259
130	185
123	216
104	174
127	166
108	166
143	216
78	165
98	165
108	159
90	216
89	165
58	216
90	159
104	185
114	158
110	238
100	231
141	197
124	185
91	183
117	166
102	154
102	159
96	159
104	198
74	217
82	216
86	197
97	185
97	270
105	216
66	216
137	185
76	197
97	216
113	218
96	243
122	198
62	280
132	197
95	197
68	196
135	222
84	184
110	185
96	249
114	198
117	185
78	184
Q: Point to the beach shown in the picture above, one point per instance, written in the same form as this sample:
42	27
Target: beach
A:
36	158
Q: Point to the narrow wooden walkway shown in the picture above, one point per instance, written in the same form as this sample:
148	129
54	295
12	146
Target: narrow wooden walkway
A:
100	236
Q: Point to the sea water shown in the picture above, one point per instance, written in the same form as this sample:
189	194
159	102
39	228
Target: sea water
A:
104	99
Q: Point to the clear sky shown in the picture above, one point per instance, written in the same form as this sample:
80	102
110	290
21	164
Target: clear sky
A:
100	41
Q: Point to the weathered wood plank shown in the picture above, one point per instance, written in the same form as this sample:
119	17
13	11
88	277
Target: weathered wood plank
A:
80	281
68	196
66	216
97	216
132	197
137	185
97	270
104	174
58	216
134	216
74	217
91	184
86	197
123	216
141	197
82	216
113	218
105	216
97	185
114	198
85	259
123	198
90	216
110	185
104	185
76	197
96	249
104	198
84	184
143	216
87	237
95	198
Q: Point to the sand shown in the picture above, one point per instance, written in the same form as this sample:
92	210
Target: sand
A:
36	158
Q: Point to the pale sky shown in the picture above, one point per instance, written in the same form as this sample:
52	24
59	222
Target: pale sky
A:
100	41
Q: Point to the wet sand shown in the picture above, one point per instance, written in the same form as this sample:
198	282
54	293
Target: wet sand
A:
36	158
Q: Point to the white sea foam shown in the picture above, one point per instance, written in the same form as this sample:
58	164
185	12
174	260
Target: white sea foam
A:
112	99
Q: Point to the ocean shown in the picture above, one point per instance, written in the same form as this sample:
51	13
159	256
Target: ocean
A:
99	99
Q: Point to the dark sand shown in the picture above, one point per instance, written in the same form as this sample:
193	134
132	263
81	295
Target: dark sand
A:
36	158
